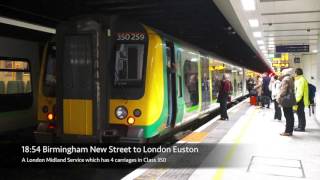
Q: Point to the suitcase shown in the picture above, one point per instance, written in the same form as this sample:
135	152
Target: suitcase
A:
253	100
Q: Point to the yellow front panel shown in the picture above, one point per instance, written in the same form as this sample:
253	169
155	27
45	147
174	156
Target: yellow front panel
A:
43	100
152	102
77	117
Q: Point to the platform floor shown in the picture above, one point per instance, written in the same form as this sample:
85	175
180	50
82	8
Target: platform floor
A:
248	146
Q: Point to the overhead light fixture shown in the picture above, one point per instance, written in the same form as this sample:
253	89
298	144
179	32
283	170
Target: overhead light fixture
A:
260	42
271	39
271	55
194	59
26	25
254	23
315	51
262	47
257	34
248	5
265	52
271	46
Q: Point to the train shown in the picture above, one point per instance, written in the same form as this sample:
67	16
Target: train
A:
109	77
18	79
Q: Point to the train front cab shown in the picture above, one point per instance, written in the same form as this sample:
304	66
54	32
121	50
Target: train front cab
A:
156	111
46	111
93	73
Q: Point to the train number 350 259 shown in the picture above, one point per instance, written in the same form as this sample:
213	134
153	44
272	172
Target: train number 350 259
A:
130	36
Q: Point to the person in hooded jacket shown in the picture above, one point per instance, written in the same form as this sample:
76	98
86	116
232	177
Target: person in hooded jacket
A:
287	86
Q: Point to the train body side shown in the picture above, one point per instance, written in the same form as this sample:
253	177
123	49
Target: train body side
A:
15	49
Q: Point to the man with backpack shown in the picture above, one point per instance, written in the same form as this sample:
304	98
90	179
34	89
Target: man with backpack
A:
302	98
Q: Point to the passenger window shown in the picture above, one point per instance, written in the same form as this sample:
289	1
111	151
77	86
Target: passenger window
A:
15	84
191	95
128	64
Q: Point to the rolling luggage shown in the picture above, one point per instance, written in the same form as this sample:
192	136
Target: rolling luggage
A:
253	100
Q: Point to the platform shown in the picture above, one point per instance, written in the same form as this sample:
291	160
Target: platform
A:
248	146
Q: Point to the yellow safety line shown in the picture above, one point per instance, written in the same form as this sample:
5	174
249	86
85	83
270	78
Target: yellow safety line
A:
219	173
195	137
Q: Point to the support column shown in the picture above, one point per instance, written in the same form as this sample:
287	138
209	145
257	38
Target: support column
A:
317	80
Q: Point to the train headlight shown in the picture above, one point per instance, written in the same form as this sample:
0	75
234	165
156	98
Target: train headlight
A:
50	116
131	120
121	112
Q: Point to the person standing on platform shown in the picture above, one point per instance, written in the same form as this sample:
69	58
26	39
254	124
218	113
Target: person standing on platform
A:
224	93
302	98
266	94
274	86
258	88
286	99
250	84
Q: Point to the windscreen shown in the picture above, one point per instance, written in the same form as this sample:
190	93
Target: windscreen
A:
49	84
128	64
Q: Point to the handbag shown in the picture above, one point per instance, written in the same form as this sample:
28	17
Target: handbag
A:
289	99
253	92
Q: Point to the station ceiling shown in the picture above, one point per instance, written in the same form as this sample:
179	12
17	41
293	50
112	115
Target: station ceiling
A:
280	22
198	22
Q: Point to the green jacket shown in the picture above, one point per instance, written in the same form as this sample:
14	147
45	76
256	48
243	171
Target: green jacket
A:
301	89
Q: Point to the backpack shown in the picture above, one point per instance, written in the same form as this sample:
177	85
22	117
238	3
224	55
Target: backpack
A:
312	92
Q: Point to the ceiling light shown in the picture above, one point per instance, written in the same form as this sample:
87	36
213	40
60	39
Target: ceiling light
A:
248	5
271	55
31	26
271	45
271	39
265	52
262	47
254	22
257	34
315	51
260	42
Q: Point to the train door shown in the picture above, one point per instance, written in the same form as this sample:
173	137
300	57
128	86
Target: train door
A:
205	89
77	87
171	77
82	72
